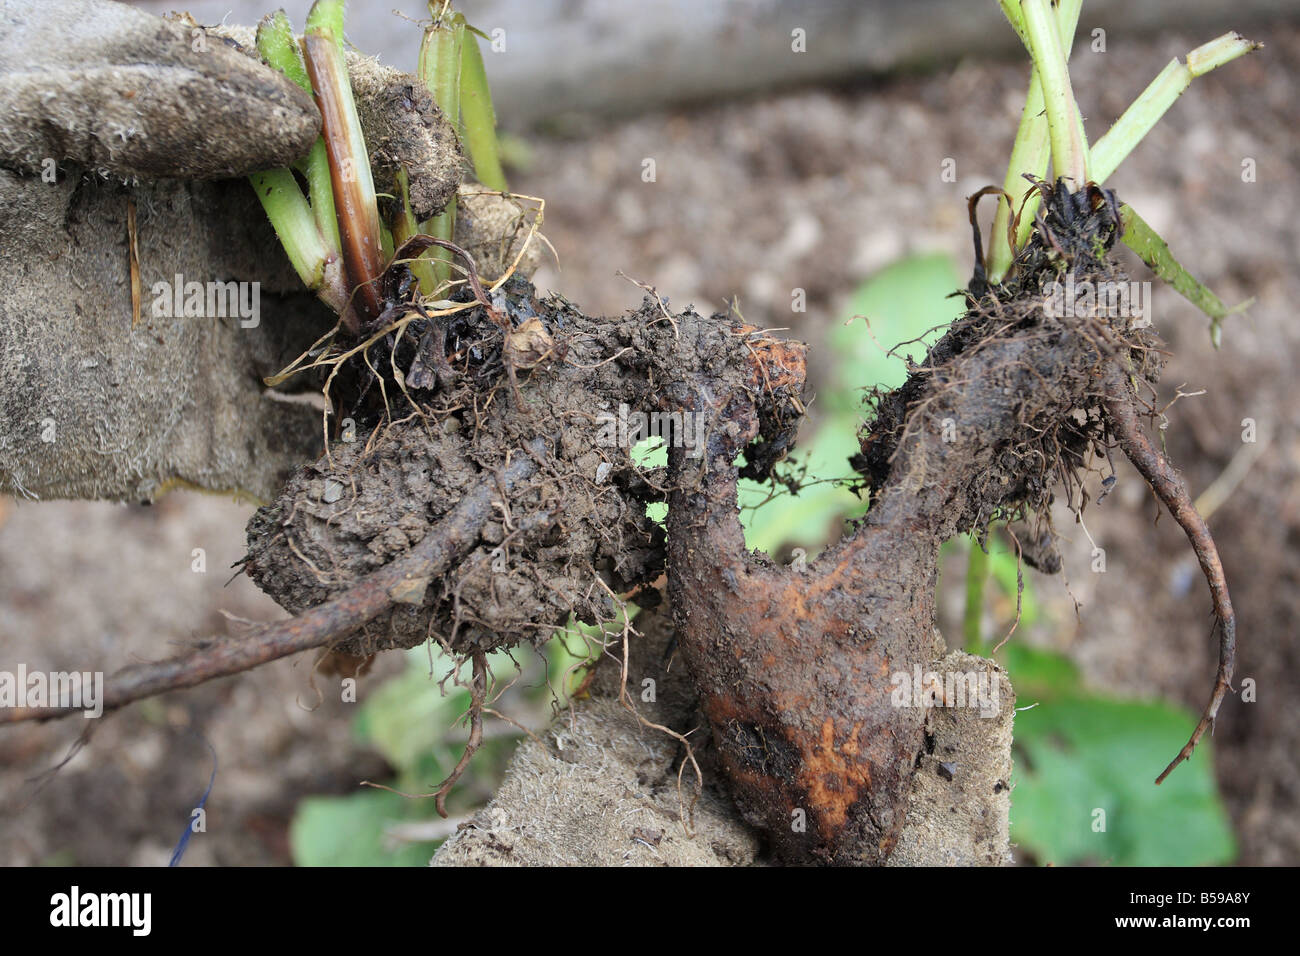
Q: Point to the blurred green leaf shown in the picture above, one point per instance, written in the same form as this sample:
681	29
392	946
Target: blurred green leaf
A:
977	576
817	513
408	716
1038	676
349	831
902	302
1084	754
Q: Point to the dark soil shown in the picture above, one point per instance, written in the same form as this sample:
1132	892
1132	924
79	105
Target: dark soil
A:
579	522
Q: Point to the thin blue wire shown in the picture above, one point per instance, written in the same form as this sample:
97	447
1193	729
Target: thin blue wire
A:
189	825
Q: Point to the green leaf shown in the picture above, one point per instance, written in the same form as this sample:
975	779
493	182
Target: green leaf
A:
901	302
1077	753
1081	755
407	717
817	513
349	831
1038	676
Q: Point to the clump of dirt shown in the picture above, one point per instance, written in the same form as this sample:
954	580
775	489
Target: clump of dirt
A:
405	131
457	397
494	229
1027	345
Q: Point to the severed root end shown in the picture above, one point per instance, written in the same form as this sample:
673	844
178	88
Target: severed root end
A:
1168	485
1207	717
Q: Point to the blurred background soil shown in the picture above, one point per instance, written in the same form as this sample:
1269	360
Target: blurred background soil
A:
813	188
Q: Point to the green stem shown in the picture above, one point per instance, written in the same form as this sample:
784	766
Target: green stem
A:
479	118
353	188
404	226
440	64
320	190
291	216
1154	251
276	44
1155	100
1069	146
306	228
441	226
1031	151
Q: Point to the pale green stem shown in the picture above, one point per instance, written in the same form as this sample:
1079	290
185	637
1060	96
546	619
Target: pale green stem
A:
276	43
320	188
404	226
439	67
292	219
1154	251
441	226
440	62
1031	151
1155	100
279	48
1069	152
480	121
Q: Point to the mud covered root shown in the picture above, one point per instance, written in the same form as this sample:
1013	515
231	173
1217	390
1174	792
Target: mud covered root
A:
563	541
793	666
797	667
1169	487
793	669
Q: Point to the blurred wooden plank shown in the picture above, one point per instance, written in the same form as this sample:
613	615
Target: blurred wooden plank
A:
626	56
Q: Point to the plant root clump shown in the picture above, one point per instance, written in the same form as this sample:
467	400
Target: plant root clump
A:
798	667
469	392
1024	349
